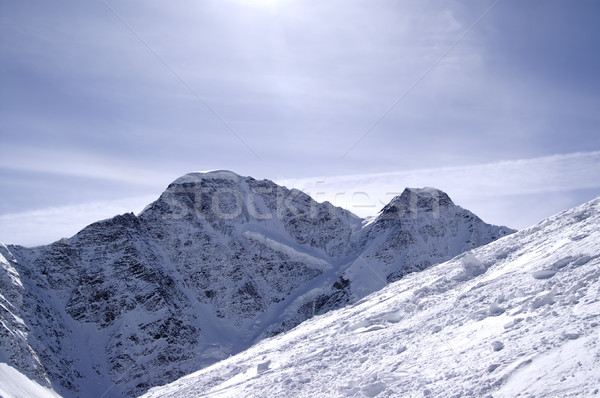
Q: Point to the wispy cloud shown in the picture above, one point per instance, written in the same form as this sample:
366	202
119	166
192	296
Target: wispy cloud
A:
79	163
473	186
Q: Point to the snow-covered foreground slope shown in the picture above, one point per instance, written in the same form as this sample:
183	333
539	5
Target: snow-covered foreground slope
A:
14	384
518	316
215	264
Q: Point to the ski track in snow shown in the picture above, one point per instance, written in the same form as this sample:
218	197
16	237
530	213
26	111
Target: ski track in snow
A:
517	317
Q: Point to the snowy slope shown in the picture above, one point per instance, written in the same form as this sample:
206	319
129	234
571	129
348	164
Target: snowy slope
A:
14	384
517	317
217	263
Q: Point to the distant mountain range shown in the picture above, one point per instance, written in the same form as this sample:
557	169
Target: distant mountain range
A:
217	263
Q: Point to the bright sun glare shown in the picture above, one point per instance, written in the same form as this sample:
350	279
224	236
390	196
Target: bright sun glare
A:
262	3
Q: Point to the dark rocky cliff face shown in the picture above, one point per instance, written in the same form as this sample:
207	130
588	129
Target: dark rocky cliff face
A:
217	262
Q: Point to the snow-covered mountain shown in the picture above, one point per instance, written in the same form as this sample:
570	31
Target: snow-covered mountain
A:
214	265
517	317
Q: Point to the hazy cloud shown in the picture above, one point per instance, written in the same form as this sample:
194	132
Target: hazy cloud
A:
89	113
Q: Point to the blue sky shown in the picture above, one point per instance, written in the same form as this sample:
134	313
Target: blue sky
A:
103	103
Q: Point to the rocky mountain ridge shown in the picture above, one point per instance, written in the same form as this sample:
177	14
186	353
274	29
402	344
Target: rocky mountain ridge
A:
216	263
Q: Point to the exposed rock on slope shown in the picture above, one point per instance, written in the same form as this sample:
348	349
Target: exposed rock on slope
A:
216	263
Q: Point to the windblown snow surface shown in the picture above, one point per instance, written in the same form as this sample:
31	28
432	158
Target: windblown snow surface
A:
14	384
517	317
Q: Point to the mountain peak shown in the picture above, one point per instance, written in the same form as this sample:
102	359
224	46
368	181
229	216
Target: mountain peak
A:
425	191
197	176
424	197
418	199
